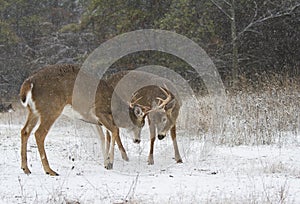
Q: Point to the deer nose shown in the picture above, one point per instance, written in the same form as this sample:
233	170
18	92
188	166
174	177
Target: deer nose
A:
160	137
137	141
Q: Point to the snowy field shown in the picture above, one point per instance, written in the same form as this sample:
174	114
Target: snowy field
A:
209	173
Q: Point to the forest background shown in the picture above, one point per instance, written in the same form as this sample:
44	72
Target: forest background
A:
252	43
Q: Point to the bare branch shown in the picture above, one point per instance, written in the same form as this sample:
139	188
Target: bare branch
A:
221	9
277	15
247	28
267	17
227	3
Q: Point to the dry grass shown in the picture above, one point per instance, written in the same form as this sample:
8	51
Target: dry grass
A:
264	111
261	112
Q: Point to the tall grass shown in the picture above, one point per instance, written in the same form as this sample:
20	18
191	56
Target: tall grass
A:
264	111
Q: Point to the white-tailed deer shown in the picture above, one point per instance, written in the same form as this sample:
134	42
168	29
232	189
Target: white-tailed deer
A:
163	112
49	91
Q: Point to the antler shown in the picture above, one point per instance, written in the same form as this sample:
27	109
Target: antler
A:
146	109
132	104
164	101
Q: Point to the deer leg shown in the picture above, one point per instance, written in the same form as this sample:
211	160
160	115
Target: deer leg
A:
120	146
108	164
40	136
173	135
103	142
152	140
31	122
107	142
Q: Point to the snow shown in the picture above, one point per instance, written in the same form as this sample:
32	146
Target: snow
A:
208	174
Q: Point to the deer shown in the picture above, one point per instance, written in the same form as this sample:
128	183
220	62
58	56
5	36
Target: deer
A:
163	107
48	93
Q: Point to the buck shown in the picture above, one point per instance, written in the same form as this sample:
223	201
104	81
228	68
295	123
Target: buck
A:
164	107
49	93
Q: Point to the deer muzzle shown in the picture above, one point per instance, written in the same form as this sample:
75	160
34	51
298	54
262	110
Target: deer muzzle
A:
160	137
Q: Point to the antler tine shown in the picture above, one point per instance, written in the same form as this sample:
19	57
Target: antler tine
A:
165	90
164	101
146	109
134	95
135	101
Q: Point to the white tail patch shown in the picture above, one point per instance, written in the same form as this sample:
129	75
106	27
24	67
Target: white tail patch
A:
28	95
29	101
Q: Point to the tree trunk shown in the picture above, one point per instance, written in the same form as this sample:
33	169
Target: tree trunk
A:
235	66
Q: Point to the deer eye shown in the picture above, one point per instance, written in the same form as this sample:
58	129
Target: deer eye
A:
164	119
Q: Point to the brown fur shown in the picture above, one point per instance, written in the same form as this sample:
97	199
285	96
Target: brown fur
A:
52	89
148	97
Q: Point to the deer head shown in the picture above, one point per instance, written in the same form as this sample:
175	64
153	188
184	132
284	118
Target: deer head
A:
137	115
164	113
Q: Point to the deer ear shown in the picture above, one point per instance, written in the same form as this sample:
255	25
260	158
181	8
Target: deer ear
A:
169	106
138	112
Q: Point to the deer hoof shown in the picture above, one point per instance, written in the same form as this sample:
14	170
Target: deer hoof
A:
109	166
26	171
52	173
150	161
125	157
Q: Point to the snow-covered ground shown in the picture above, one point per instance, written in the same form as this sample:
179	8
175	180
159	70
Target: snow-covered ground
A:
208	174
